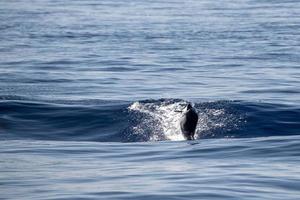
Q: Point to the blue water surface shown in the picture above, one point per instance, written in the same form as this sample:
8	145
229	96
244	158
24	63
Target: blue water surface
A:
90	93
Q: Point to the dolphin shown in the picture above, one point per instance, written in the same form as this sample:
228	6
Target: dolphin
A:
188	122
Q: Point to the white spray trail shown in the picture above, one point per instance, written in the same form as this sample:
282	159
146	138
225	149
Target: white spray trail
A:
166	116
162	120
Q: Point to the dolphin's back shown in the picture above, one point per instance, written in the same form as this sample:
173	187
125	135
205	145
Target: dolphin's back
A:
188	123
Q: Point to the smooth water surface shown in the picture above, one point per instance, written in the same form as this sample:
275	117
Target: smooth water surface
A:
90	93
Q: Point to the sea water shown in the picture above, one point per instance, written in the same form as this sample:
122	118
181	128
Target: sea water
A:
90	93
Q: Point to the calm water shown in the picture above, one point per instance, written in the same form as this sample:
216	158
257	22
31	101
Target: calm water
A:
89	92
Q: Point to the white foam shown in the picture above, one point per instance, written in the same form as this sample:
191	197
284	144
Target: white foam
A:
163	120
166	116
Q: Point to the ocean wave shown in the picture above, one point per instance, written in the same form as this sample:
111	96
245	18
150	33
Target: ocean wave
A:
141	121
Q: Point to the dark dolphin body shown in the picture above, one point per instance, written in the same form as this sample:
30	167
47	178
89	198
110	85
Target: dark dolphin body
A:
188	122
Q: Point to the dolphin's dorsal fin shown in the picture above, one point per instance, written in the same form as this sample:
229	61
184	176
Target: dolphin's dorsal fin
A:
189	106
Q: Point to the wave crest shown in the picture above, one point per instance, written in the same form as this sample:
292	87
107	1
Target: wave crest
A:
148	120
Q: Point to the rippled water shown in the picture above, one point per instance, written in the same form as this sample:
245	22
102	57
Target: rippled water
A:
209	169
89	94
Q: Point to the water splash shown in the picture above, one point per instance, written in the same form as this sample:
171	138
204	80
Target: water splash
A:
161	117
161	120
